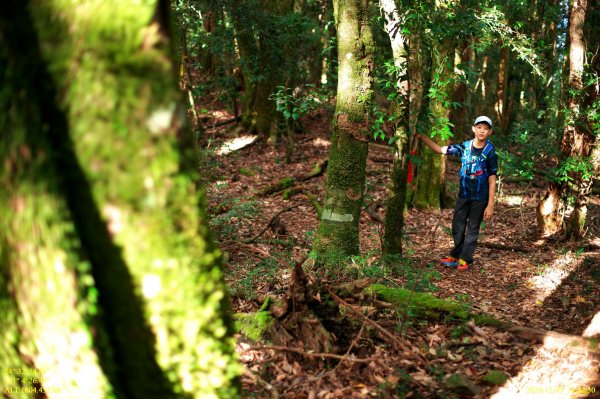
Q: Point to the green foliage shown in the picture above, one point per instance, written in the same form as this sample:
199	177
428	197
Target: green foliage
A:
292	104
253	325
417	278
493	24
388	76
225	225
495	377
247	172
530	146
246	278
372	264
572	166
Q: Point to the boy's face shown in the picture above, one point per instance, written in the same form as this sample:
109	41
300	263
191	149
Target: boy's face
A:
482	131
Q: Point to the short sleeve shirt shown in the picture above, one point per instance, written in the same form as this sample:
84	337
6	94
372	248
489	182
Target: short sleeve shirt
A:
474	188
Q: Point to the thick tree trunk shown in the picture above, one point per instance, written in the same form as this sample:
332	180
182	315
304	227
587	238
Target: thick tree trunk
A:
107	246
338	229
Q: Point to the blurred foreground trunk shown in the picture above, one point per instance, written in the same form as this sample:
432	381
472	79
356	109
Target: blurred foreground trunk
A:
109	283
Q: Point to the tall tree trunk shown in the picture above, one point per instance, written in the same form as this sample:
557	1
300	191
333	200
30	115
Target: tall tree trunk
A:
338	229
430	182
107	244
501	105
396	200
582	136
257	44
576	142
459	117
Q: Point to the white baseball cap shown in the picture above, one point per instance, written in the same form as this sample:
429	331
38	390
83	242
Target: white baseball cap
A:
484	119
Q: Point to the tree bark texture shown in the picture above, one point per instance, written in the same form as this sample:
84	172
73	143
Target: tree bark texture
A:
109	278
345	183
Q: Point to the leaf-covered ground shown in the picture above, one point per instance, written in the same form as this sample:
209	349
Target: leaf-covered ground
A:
549	285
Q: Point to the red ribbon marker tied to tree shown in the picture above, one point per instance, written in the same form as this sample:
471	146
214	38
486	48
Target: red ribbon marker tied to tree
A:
409	176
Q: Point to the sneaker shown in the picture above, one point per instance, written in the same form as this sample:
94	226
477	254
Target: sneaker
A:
449	261
463	265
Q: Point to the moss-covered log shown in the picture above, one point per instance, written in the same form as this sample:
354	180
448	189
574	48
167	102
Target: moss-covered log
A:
426	305
108	275
338	229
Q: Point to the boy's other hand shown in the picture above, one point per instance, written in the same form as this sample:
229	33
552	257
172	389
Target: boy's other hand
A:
488	213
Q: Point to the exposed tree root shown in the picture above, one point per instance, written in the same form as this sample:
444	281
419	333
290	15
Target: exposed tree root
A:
312	354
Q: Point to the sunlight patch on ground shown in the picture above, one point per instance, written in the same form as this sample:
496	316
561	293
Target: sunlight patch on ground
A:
235	144
550	277
318	142
512	200
553	374
594	327
220	114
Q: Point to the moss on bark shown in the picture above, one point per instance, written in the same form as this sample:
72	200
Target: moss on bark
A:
114	170
338	230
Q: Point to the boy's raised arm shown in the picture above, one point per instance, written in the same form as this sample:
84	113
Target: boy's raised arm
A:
431	144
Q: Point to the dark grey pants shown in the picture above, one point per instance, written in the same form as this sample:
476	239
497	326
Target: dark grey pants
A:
467	218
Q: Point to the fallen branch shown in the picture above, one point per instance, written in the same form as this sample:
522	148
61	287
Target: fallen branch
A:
260	381
288	182
225	244
310	354
251	240
516	248
225	122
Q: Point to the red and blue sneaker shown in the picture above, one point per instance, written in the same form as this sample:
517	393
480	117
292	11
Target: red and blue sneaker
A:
449	261
463	265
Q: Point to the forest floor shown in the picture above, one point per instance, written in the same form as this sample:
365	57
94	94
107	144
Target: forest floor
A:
518	277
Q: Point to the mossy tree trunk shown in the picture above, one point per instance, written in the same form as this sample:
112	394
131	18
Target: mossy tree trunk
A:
108	275
345	183
396	197
261	60
430	182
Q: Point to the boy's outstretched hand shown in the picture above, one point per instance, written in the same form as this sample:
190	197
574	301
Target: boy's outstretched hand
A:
489	212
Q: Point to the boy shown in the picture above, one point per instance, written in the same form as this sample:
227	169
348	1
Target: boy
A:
477	190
